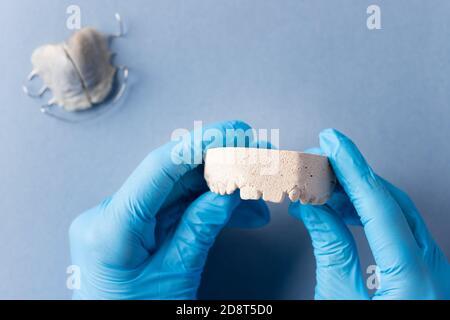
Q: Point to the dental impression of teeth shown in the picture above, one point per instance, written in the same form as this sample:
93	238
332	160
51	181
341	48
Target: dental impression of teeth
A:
270	174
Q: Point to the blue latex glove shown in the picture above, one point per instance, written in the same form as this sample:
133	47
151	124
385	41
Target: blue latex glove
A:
151	239
411	265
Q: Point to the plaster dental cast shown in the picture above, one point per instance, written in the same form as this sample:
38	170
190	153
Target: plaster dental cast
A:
151	238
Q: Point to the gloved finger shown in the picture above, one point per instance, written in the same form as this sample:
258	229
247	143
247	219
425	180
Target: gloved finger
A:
315	150
338	272
188	187
198	229
341	204
386	228
418	227
166	222
250	214
339	201
147	188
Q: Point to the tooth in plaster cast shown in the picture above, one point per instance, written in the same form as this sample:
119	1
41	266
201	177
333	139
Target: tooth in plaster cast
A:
231	187
294	194
269	174
250	193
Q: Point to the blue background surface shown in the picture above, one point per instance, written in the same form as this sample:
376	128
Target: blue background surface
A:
300	66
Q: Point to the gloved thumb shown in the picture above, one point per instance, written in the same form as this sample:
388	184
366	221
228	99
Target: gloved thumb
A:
338	273
199	227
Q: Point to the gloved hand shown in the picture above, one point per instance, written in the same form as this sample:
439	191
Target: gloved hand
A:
411	265
150	240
